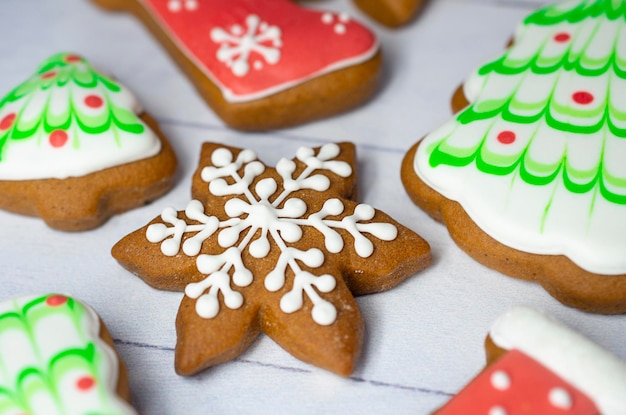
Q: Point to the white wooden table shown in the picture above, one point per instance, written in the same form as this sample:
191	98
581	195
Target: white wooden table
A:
424	338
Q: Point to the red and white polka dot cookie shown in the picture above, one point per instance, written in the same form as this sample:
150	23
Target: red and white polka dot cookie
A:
76	147
538	366
264	64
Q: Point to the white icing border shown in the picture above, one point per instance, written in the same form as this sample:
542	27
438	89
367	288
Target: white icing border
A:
582	363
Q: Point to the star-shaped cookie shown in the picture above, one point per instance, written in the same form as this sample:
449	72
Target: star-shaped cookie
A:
276	250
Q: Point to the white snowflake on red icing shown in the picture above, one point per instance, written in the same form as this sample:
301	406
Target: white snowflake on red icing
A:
282	225
176	6
239	45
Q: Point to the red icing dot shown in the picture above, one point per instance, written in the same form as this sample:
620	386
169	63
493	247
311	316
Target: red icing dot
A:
582	97
48	75
73	59
562	37
7	121
58	138
506	137
56	300
93	101
85	383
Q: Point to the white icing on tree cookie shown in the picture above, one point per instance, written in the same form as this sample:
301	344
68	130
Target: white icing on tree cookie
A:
536	160
53	361
70	120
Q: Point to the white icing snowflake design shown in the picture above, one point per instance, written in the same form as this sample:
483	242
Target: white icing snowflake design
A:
280	225
238	45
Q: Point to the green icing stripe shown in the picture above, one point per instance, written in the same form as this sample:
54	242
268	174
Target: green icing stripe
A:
553	14
73	74
569	60
532	172
599	118
581	65
45	378
608	112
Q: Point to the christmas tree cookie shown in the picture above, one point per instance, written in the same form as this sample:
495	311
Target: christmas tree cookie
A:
57	358
277	250
535	365
76	147
259	64
529	176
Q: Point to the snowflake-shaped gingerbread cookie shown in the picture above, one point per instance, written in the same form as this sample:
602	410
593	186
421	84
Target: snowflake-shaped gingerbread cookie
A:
277	250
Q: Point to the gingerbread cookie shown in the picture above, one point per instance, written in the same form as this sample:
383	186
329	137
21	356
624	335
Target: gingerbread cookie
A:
76	147
276	250
259	64
58	358
529	178
391	13
535	365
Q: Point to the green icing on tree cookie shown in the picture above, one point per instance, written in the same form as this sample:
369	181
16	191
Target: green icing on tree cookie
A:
52	360
68	72
575	11
68	119
564	74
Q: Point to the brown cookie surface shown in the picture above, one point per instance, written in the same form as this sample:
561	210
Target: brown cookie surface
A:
259	65
391	13
84	155
275	250
82	203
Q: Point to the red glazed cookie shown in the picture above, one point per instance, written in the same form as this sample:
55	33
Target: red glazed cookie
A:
529	176
76	148
276	250
538	366
58	358
259	64
392	13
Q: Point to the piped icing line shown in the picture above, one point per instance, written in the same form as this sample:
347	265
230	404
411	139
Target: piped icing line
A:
254	39
53	361
536	158
582	363
69	120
